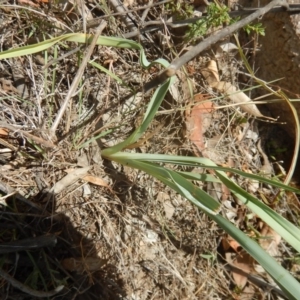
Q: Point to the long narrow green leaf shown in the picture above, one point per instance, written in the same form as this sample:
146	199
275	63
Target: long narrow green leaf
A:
155	103
282	277
288	284
199	177
203	163
109	73
179	184
83	39
284	228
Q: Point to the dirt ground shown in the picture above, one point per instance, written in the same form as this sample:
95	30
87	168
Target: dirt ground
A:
114	232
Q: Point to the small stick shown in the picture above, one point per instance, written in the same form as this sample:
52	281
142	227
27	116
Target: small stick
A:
27	244
77	77
9	190
196	50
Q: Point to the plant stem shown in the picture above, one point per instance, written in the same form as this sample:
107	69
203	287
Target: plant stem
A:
196	50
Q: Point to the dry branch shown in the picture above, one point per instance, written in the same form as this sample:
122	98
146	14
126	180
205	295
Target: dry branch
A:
77	77
196	50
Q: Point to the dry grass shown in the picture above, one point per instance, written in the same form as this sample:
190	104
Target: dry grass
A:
135	239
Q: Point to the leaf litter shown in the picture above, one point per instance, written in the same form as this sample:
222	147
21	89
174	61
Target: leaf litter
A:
128	237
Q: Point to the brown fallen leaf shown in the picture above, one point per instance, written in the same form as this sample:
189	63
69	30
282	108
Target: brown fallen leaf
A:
247	293
198	120
211	75
4	132
79	265
97	181
92	179
244	262
239	259
270	240
30	3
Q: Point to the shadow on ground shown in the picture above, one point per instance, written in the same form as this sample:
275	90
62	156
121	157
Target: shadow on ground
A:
41	250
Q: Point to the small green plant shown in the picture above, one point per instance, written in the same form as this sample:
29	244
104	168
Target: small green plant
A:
180	10
256	28
217	15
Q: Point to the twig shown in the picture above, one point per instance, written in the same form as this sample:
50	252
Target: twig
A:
77	77
196	50
9	190
96	21
255	280
26	289
157	24
27	244
125	15
34	138
146	11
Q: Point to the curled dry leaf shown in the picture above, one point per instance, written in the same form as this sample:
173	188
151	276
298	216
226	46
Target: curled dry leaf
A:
244	262
230	243
211	73
96	180
240	260
212	77
270	240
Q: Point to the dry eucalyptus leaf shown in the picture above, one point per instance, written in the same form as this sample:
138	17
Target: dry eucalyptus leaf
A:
270	240
211	75
239	97
198	120
96	180
211	72
169	209
241	261
225	47
244	262
69	179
